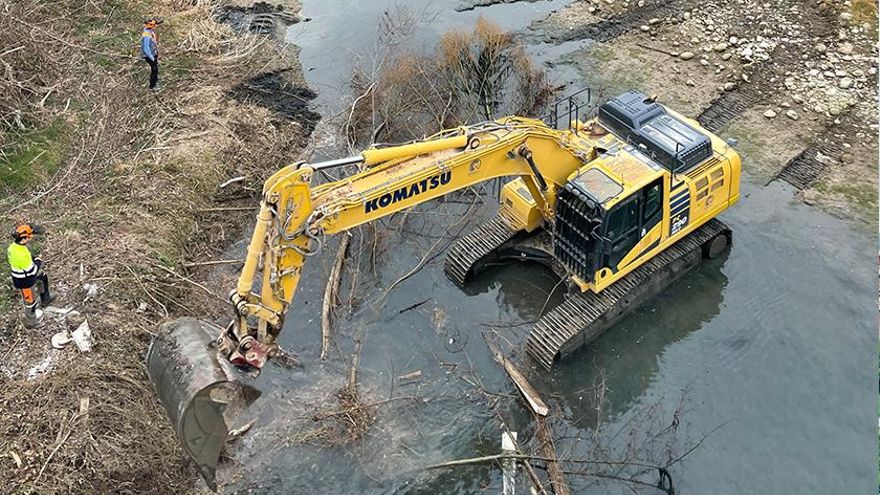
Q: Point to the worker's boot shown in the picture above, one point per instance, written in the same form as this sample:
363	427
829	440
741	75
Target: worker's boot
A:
46	297
33	316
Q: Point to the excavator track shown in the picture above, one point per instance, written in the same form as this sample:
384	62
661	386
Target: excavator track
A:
478	247
583	316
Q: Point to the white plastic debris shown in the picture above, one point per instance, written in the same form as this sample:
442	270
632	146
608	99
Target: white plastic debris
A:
54	310
41	367
91	290
61	339
82	337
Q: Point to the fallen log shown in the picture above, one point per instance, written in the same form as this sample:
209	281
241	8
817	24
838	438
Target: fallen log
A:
539	411
330	295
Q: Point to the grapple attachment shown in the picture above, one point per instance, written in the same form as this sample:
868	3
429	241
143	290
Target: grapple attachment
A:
197	389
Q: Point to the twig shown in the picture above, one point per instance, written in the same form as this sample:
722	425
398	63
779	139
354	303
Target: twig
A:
209	263
413	306
11	50
232	181
200	286
330	294
228	208
151	296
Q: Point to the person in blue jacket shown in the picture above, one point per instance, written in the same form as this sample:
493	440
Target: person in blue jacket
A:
150	50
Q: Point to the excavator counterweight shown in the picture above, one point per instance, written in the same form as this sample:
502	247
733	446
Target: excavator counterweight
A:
619	206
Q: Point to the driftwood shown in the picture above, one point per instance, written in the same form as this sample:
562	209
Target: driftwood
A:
539	411
211	263
330	295
536	404
554	470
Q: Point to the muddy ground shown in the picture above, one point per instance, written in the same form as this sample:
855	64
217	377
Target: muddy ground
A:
134	190
794	82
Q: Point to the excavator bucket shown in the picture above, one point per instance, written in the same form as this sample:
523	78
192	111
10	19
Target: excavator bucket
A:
199	392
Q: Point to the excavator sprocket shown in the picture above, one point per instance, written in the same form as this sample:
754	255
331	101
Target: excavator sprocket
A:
196	390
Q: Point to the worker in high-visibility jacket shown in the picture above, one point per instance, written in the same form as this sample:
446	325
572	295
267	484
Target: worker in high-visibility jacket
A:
150	49
27	272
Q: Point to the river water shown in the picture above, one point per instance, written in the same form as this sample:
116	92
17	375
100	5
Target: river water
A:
772	347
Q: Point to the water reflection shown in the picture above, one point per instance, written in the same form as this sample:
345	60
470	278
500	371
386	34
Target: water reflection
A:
629	354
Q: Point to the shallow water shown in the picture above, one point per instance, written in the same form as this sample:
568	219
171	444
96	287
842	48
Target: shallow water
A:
773	344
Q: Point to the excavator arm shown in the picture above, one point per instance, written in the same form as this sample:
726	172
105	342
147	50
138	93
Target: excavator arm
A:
294	217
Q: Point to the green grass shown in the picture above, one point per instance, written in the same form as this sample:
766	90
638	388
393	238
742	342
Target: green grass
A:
6	292
865	12
34	155
862	197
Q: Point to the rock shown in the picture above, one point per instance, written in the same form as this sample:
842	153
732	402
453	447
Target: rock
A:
687	16
845	48
591	10
786	104
846	16
840	73
733	40
791	114
798	98
690	82
726	56
828	73
653	21
845	83
82	337
644	27
872	71
769	114
747	53
729	86
745	77
686	55
720	47
704	62
673	54
821	48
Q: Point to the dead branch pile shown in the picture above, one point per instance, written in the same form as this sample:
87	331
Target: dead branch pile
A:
124	181
473	76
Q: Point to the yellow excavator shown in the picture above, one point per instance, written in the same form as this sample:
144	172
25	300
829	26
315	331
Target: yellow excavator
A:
619	205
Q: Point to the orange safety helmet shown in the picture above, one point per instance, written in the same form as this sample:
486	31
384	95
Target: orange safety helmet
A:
24	231
152	22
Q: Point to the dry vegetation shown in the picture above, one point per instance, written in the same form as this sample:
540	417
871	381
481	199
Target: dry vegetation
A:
473	76
126	183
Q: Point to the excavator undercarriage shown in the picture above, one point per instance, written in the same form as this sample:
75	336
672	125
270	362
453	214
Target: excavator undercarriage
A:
582	316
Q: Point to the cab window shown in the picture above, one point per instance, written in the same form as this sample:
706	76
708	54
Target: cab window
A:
652	204
624	218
